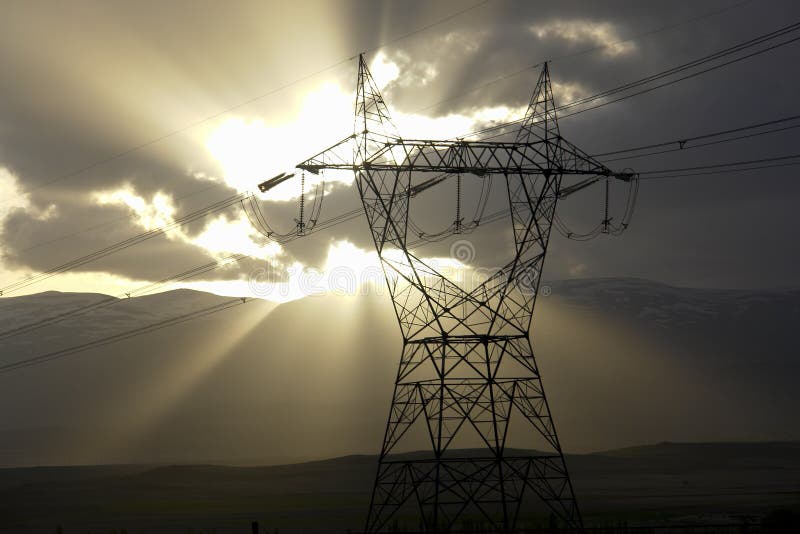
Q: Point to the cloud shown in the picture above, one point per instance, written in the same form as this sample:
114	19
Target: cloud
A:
225	235
465	41
419	126
393	68
150	215
383	70
600	34
566	92
220	237
13	198
398	68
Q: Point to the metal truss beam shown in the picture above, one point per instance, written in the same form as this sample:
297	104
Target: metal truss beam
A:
475	157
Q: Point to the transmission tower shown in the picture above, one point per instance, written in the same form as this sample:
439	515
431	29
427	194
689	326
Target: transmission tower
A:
467	361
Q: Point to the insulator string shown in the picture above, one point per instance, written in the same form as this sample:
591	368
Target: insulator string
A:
301	220
457	228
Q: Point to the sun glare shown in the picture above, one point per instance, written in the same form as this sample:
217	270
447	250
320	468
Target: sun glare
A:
250	151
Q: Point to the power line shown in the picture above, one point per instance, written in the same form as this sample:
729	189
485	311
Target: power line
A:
721	165
698	137
718	172
682	144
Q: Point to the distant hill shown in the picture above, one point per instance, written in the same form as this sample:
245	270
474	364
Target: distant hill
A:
623	360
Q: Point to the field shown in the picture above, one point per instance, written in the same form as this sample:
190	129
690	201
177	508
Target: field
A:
663	485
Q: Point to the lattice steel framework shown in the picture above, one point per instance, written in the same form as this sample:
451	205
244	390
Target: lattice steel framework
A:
467	364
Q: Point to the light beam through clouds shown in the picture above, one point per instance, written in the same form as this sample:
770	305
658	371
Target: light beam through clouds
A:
175	382
251	150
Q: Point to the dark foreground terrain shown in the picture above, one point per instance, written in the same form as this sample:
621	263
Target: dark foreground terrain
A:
668	484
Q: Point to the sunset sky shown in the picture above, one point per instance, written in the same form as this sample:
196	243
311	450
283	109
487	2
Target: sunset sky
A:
118	117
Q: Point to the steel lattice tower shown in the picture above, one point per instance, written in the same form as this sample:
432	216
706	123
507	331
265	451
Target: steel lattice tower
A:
467	360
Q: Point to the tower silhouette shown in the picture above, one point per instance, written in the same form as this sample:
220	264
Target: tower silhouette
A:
467	365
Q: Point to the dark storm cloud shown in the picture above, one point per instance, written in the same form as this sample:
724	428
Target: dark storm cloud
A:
94	79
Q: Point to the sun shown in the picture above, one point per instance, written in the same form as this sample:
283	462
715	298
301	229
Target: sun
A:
250	150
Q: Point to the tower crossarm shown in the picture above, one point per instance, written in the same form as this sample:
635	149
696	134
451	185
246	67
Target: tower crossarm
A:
338	156
542	157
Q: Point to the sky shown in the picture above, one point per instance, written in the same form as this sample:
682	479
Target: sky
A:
116	118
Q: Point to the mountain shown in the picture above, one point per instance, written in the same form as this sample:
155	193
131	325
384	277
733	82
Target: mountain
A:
623	361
